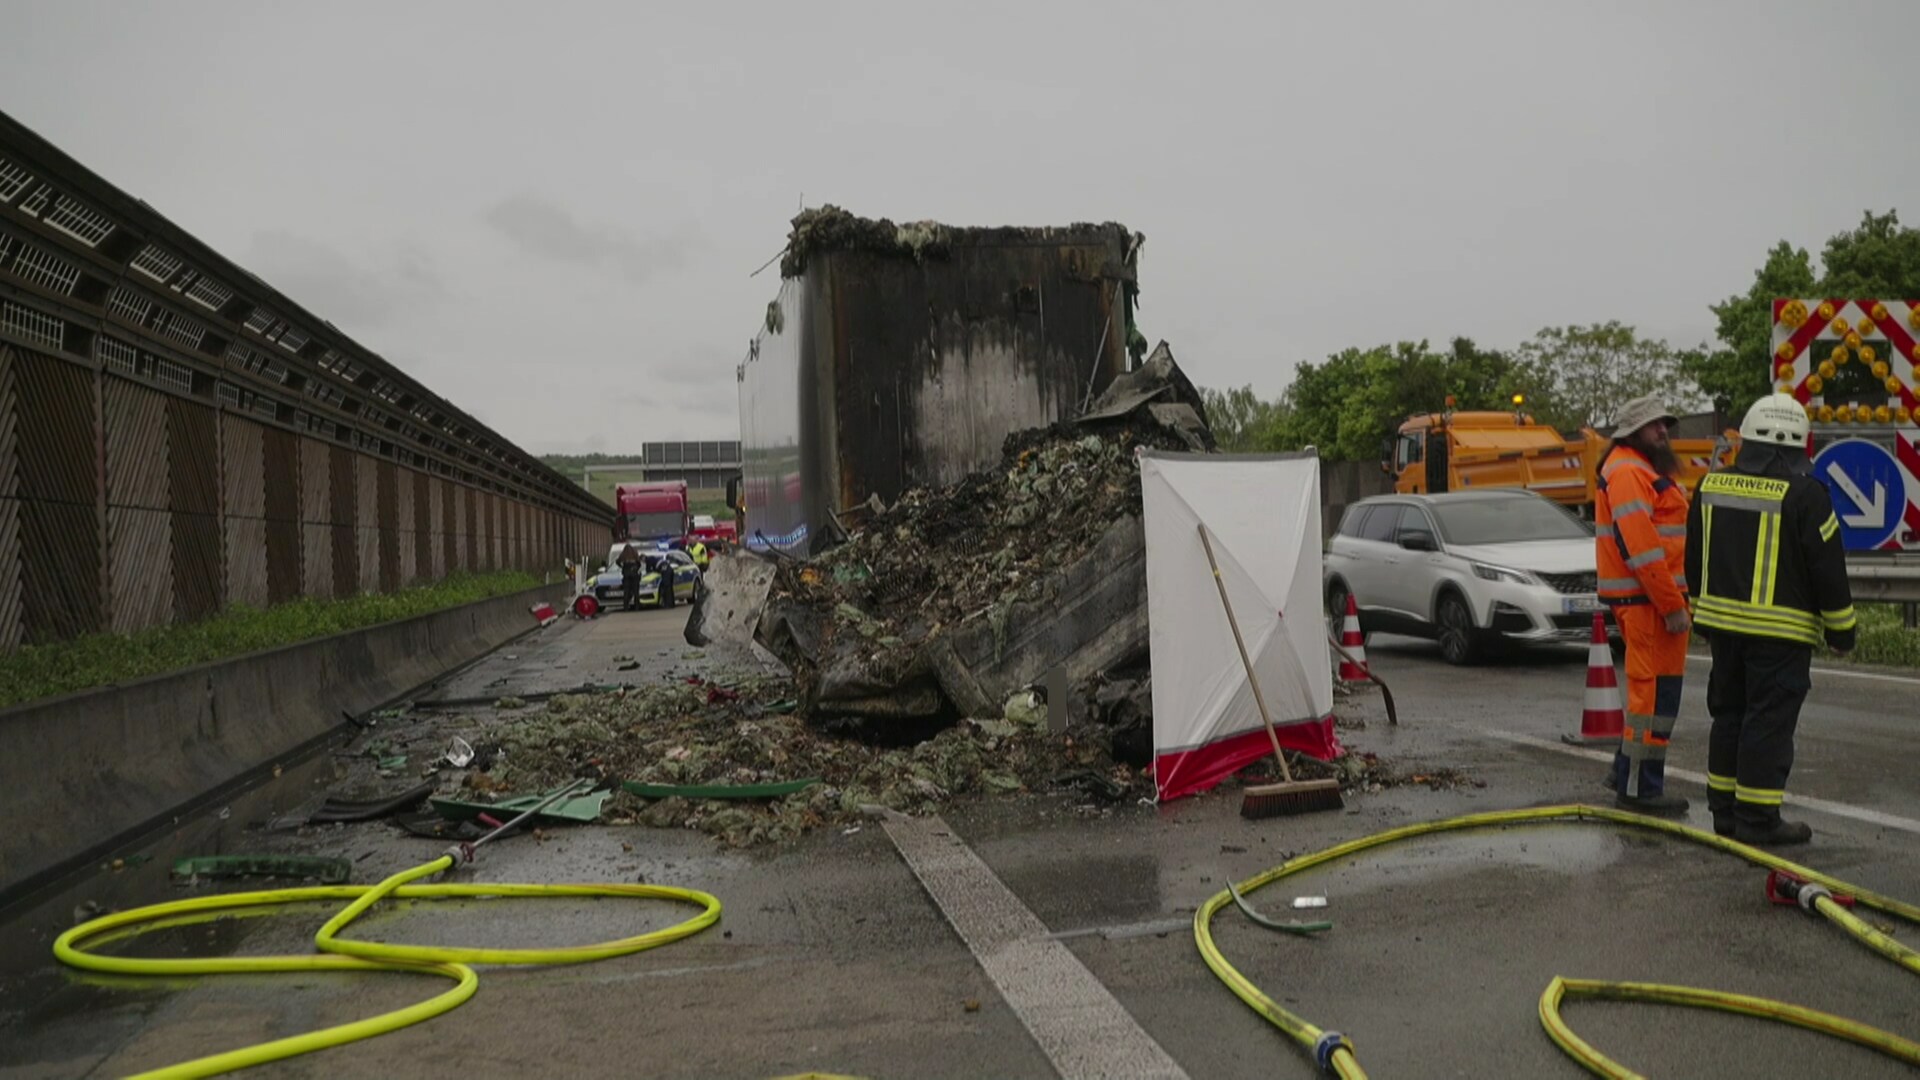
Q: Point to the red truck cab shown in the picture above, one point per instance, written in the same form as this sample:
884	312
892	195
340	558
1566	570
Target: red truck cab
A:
653	511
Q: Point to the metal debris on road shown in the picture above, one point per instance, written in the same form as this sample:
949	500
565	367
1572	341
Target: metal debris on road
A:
578	809
328	871
337	809
682	748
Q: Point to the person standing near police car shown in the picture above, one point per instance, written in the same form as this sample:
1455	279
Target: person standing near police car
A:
1764	547
1640	519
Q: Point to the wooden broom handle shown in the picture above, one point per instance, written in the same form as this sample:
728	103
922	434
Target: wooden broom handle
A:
1238	643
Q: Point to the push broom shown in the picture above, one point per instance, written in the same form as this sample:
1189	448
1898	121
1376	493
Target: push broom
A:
1290	796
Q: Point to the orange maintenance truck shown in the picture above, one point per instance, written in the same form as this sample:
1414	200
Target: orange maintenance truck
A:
1459	451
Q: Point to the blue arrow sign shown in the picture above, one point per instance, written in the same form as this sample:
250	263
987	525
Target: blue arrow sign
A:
1869	493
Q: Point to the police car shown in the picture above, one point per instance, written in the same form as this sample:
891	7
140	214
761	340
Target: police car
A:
610	591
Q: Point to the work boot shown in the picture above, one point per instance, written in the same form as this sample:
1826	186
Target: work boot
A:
1777	834
1723	825
1653	805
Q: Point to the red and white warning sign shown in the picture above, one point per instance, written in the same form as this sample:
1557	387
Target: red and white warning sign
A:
1855	364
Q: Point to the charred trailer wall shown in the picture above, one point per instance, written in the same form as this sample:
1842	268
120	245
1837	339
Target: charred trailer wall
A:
935	362
883	366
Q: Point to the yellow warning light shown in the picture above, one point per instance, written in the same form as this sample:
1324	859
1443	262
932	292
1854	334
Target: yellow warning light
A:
1901	415
1867	354
1785	388
1893	386
1784	371
1883	414
1866	327
1519	400
1853	340
1826	311
1840	326
1814	383
1880	369
1878	312
1793	314
1843	414
1825	415
1826	369
1785	351
1840	354
1913	317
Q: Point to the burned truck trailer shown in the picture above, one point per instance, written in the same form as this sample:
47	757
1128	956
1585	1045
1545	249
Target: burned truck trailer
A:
902	356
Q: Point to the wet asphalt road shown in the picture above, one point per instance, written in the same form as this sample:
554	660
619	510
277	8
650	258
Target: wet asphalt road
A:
830	956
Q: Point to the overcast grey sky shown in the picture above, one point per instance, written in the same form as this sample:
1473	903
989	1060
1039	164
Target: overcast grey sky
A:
549	212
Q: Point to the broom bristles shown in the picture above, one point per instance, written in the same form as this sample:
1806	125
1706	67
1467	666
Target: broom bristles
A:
1299	797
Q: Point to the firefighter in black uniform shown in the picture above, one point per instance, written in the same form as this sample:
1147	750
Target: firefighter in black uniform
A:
1769	579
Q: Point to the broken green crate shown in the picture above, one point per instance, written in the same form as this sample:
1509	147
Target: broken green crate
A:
327	870
719	791
580	809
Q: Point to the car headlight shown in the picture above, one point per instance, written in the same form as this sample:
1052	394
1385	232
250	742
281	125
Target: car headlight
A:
1490	572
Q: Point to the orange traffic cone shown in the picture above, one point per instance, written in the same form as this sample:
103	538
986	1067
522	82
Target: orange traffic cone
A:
1353	666
1604	717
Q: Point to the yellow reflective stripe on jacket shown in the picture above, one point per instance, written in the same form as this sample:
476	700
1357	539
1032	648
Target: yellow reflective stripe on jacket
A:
1706	544
1766	559
1844	619
1832	526
1792	616
1787	624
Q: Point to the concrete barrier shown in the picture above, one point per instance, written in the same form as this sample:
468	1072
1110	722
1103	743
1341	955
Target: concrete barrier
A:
91	770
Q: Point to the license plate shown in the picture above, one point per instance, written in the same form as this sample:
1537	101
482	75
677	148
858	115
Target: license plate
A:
1584	605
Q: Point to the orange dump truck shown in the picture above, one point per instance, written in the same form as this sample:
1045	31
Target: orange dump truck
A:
1458	451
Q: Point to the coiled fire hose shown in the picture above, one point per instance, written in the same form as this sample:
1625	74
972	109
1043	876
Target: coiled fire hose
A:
1814	892
341	954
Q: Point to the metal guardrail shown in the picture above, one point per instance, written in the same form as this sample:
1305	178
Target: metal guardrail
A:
1893	578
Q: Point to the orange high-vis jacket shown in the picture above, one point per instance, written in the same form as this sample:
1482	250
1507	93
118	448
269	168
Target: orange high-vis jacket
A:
1640	539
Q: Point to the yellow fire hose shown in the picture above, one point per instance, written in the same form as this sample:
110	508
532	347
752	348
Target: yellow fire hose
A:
1813	891
341	954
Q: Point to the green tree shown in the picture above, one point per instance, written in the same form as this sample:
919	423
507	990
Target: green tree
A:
1241	421
1588	372
1346	405
1878	259
1735	374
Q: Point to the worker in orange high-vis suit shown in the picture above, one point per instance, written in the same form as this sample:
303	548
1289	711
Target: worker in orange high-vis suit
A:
1640	514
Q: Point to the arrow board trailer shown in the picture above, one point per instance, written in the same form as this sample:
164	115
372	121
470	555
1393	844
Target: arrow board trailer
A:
1855	365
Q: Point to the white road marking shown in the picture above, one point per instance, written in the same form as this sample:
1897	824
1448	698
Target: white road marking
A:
1874	675
1837	809
1080	1026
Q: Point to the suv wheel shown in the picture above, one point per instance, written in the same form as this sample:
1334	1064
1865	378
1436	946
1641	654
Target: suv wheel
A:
1337	595
1459	638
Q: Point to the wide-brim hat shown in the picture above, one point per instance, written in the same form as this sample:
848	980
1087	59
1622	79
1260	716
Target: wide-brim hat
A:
1638	413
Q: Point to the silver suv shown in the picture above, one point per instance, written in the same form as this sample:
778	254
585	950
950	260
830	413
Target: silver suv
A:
1474	570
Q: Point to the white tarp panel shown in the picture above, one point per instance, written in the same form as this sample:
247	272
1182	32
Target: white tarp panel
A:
1262	514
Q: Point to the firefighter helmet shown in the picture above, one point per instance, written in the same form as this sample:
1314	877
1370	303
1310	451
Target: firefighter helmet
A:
1776	418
